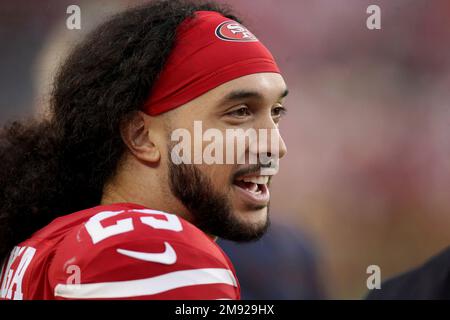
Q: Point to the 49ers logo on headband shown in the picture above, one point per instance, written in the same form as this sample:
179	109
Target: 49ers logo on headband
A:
233	31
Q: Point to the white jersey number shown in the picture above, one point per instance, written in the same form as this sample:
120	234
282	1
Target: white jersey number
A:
98	232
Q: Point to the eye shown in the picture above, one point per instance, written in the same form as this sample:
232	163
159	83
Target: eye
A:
278	112
241	112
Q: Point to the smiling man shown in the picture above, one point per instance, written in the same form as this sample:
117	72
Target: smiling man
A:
145	219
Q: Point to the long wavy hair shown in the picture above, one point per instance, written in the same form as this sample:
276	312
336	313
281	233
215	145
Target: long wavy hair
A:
60	165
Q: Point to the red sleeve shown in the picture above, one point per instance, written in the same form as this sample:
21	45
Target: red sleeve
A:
119	257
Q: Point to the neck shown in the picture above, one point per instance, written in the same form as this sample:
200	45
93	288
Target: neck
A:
145	190
116	195
147	196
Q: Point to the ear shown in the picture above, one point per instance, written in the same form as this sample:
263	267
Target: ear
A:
137	133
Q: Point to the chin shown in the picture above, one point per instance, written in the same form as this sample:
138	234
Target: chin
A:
253	218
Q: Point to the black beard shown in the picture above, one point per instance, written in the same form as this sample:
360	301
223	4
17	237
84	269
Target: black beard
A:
212	212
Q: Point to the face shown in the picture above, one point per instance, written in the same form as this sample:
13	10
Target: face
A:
226	193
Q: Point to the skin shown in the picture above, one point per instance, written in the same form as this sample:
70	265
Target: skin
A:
143	175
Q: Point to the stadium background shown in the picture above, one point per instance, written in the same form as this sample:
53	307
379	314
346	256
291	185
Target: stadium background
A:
367	176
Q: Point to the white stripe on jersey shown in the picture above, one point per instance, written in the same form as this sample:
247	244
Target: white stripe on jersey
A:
148	286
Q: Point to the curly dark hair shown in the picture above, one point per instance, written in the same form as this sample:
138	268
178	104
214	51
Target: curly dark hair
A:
58	166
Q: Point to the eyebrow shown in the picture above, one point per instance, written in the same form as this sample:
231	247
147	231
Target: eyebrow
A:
246	94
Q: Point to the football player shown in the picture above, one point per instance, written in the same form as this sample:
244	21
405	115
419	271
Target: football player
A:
93	203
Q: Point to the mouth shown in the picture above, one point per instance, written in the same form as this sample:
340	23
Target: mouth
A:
253	189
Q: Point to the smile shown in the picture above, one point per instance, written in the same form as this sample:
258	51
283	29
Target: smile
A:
253	189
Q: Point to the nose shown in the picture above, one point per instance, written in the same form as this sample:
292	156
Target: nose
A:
274	147
283	148
270	146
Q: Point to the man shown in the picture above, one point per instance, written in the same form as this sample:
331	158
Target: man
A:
146	217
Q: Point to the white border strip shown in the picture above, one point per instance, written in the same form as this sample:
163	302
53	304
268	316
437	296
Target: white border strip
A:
148	286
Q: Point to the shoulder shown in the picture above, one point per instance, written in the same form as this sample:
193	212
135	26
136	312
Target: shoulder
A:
152	251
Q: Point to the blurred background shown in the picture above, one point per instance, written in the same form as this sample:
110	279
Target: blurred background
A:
367	176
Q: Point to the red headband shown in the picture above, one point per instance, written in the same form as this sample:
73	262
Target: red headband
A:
209	50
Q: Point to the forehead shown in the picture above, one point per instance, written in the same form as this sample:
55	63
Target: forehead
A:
269	85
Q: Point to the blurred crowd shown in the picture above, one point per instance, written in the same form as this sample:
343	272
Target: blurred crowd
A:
367	176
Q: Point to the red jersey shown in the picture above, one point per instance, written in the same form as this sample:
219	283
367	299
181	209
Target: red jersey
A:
120	251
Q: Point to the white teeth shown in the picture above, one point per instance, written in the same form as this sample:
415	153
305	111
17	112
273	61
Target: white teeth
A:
253	188
257	180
